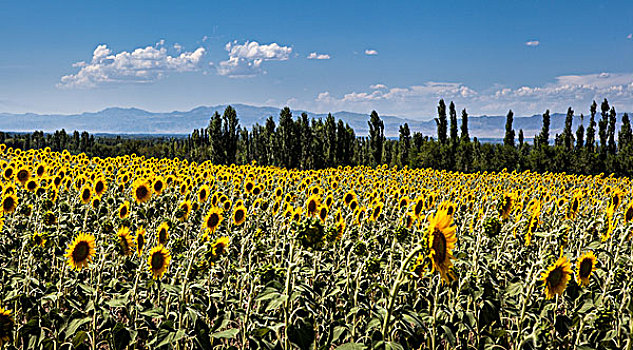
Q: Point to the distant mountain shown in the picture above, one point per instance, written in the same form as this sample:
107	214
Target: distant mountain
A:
117	120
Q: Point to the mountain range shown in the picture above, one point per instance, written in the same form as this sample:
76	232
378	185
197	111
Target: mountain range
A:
116	120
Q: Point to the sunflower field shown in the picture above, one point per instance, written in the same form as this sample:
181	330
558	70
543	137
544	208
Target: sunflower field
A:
128	252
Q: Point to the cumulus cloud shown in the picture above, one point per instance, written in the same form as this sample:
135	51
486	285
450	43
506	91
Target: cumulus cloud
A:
316	56
577	91
371	52
533	43
245	60
143	65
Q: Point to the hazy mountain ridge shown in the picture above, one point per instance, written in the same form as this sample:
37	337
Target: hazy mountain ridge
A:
117	120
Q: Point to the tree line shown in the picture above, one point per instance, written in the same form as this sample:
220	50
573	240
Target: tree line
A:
307	143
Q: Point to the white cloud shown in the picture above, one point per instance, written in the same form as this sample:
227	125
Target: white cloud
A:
371	52
143	65
178	47
245	60
533	43
630	36
577	91
378	86
320	56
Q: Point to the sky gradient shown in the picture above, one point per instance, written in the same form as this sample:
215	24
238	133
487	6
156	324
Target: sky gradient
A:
396	57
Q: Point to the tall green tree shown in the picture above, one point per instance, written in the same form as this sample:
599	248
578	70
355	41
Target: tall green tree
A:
590	144
464	127
568	137
441	122
453	120
376	137
230	134
580	133
611	130
508	140
286	139
216	136
330	141
543	137
405	144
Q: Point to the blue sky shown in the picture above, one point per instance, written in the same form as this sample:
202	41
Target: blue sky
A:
396	57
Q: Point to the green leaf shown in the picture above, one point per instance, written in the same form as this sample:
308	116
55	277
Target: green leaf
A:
226	334
351	346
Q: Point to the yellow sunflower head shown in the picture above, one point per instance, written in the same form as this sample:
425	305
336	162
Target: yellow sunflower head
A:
312	205
140	240
158	261
38	239
584	267
6	326
441	240
85	194
162	233
126	243
81	251
158	185
100	187
124	210
183	210
9	203
556	277
212	220
239	215
219	246
142	191
203	193
23	175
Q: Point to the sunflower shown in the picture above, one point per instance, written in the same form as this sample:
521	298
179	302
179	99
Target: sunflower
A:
212	220
81	251
184	210
584	267
505	206
556	277
38	239
23	175
40	170
628	214
375	213
126	243
86	194
312	205
219	246
31	185
248	187
8	172
239	215
203	193
158	185
140	240
6	326
142	191
418	207
442	239
158	261
124	210
9	203
349	197
162	233
323	213
100	187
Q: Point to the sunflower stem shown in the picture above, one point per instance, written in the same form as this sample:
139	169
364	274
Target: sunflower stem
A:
287	294
394	291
